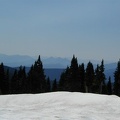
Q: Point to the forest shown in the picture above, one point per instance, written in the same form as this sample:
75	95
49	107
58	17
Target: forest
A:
75	78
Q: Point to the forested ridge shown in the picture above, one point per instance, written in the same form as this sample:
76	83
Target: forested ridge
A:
75	78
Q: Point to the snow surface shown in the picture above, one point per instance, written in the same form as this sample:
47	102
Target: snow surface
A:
59	106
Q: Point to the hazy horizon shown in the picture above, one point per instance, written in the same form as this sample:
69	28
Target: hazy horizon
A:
97	61
87	28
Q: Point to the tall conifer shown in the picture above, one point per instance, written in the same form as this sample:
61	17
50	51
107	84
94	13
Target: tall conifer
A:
109	86
117	80
89	77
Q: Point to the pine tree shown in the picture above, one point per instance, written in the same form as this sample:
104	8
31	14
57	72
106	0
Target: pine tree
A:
48	86
2	79
89	76
7	82
82	77
30	80
117	80
109	87
99	85
14	83
96	83
24	81
22	88
54	86
64	84
36	77
20	80
74	79
102	78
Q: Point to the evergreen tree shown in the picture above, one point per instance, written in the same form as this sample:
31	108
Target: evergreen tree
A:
24	81
89	77
20	80
102	78
7	82
2	79
14	83
48	86
117	80
96	83
54	86
109	87
99	85
64	84
82	77
30	79
74	79
22	88
36	77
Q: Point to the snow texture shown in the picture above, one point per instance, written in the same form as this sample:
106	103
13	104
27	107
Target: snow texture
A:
59	106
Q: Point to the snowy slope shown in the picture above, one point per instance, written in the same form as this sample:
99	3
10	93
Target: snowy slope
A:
59	106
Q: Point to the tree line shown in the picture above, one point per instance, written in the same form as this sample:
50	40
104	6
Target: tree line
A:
75	78
21	82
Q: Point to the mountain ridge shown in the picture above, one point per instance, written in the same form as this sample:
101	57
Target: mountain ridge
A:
48	62
53	66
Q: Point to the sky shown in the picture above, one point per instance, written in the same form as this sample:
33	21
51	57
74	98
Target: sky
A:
90	29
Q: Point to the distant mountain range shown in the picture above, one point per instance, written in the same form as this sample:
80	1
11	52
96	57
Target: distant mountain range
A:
16	60
24	60
48	62
54	66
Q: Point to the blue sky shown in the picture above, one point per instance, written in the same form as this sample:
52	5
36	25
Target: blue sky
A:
90	29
